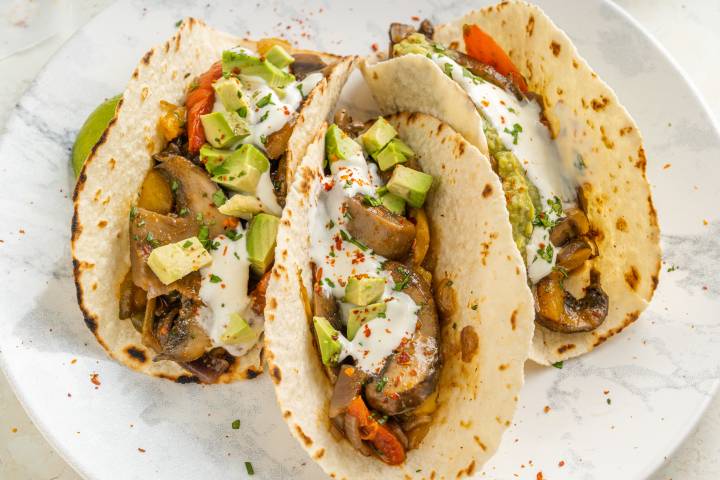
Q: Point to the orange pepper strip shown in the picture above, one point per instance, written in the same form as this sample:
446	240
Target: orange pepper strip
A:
390	448
199	102
482	47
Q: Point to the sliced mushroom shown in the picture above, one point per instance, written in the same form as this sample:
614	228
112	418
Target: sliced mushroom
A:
181	337
281	178
398	32
573	224
559	311
411	374
574	254
344	120
348	386
486	72
305	64
194	191
277	141
427	28
386	233
210	366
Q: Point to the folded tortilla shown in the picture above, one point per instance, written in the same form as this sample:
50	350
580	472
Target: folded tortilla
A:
478	388
112	176
587	122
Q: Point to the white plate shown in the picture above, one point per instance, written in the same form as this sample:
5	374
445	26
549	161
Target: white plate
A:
616	413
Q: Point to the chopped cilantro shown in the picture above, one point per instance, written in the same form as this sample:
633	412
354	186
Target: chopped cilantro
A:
199	216
558	364
236	425
214	278
448	69
263	139
249	468
546	253
542	219
178	23
149	238
345	236
219	198
233	235
133	212
236	255
517	128
299	87
265	116
555	206
330	225
475	79
512	110
580	162
141	223
399	286
381	384
242	111
187	244
266	100
609	401
329	283
372	201
672	269
174	186
183	211
203	236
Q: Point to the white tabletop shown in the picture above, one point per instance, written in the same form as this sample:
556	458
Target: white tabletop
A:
688	30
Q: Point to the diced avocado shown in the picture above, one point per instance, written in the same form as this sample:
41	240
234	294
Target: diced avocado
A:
235	62
338	145
241	171
222	129
274	77
393	203
173	261
410	185
261	241
378	136
229	91
327	338
242	206
360	315
238	332
279	57
364	290
413	43
212	157
394	153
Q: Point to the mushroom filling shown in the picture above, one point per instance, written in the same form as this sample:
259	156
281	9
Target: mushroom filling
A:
374	316
549	225
202	232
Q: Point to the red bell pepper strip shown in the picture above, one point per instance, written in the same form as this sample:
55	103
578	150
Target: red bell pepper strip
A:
384	441
200	100
481	46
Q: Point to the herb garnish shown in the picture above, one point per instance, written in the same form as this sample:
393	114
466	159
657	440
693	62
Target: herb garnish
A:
199	217
249	468
149	238
381	384
372	201
546	253
299	87
242	111
345	236
329	282
542	219
187	244
263	139
214	278
555	206
236	425
219	198
265	116
266	100
399	286
236	255
580	162
558	364
517	128
183	211
133	212
475	79
178	23
448	69
330	225
672	269
174	186
233	235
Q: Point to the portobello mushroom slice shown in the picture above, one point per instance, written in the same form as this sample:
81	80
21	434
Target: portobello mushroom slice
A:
574	254
574	223
277	141
210	366
559	311
411	374
386	233
305	64
348	386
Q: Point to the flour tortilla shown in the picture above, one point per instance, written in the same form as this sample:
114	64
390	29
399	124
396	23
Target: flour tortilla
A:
588	122
112	176
478	394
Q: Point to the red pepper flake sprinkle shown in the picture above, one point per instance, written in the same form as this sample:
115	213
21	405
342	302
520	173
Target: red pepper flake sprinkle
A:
328	186
95	379
13	430
366	331
546	409
338	242
374	47
415	18
485	103
605	392
141	450
539	476
561	463
22	232
73	361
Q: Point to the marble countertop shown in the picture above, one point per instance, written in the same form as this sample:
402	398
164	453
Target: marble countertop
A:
685	30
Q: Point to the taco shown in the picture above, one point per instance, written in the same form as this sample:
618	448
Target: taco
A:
386	336
176	209
569	156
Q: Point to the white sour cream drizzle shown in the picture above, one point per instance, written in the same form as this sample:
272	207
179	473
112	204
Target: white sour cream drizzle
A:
533	147
228	295
340	259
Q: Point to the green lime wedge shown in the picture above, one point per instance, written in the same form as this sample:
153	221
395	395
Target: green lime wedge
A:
91	131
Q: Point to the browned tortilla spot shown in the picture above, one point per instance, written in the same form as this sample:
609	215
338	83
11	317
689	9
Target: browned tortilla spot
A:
621	224
375	75
609	144
468	343
600	103
575	63
564	348
136	353
287	414
503	366
454	45
642	161
251	373
629	318
183	379
276	374
148	55
306	440
102	224
480	443
555	47
632	277
513	319
319	454
530	27
487	191
625	130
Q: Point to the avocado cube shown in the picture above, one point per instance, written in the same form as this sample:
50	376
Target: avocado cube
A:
378	136
274	77
279	57
338	145
327	339
241	171
173	261
241	206
212	157
223	129
393	203
394	153
410	185
238	332
229	91
261	236
364	290
233	63
360	315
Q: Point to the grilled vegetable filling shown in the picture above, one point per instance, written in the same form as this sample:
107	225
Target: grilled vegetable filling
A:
374	315
202	233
